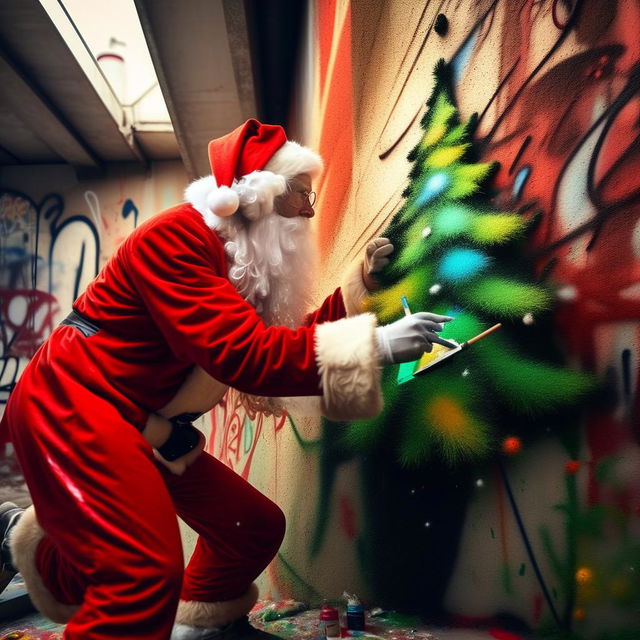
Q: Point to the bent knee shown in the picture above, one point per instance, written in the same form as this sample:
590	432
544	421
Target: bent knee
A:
163	573
276	526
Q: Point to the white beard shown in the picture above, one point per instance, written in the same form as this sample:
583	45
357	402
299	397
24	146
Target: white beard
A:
271	262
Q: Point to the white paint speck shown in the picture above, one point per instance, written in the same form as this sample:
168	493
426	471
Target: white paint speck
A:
567	293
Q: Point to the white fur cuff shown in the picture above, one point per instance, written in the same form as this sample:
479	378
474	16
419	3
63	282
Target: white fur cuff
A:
25	538
216	614
348	362
353	290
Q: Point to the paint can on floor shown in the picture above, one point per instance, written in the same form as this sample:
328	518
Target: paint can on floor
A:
329	622
355	613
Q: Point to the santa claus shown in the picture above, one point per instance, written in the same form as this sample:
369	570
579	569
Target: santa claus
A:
206	295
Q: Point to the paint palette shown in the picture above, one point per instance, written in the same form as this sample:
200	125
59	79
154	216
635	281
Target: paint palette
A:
408	370
436	355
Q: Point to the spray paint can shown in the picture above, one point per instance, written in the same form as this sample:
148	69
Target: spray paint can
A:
355	613
329	622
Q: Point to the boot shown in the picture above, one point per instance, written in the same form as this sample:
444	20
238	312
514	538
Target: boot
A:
25	538
226	620
239	629
10	514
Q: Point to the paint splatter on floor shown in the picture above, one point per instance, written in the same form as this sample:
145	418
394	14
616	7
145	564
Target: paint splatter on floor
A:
293	623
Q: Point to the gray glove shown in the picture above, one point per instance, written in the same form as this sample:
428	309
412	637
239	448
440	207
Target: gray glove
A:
407	339
376	257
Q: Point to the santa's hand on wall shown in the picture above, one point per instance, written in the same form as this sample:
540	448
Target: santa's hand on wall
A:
376	257
405	340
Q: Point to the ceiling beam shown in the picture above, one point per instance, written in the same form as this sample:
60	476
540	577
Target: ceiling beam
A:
44	47
202	61
33	109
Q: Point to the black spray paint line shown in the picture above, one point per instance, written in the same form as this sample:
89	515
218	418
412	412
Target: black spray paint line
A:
527	544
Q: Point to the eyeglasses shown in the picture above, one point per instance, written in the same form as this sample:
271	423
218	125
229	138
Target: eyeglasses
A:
309	196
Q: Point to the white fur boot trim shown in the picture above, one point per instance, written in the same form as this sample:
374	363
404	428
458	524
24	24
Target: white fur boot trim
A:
25	537
211	615
349	366
185	632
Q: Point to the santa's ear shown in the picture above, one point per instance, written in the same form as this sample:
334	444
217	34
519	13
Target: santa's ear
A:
257	192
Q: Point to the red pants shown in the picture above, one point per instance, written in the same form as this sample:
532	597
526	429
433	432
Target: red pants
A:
112	541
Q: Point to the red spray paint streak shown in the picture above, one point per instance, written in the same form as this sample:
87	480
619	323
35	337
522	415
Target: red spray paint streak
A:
228	424
21	339
348	521
572	121
334	119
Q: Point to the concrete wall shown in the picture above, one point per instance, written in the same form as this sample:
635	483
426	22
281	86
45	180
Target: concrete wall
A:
55	233
556	87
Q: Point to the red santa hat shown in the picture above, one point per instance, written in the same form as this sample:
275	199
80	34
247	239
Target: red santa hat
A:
253	147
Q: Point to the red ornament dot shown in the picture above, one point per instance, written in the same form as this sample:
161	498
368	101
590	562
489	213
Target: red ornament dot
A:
572	466
511	446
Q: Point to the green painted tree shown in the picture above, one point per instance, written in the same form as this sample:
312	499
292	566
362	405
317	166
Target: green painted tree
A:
457	254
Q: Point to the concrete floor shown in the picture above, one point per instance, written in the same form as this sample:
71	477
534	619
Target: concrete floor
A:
19	622
29	625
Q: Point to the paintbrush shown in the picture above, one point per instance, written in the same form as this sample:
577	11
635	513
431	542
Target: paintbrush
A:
441	352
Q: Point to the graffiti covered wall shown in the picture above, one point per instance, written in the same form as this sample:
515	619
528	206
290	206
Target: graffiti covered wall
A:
546	538
55	234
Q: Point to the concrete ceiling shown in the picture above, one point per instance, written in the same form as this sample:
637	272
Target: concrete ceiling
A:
57	107
203	61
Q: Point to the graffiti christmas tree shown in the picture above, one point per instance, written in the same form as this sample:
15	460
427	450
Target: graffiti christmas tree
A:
456	254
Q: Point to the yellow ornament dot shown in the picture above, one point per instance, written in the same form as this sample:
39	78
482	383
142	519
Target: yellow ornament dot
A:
584	575
579	613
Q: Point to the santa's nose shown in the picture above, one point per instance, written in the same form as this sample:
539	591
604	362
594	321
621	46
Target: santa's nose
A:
307	211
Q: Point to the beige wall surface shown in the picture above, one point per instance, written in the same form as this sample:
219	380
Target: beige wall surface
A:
555	85
56	232
556	89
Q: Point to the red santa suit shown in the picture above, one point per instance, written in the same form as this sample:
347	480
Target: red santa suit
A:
105	553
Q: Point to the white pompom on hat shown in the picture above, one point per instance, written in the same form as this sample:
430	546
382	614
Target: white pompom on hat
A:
254	147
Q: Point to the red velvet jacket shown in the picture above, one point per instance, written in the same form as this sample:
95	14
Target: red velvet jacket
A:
164	304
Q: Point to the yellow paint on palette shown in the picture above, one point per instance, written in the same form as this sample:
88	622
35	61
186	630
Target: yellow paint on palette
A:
445	156
439	352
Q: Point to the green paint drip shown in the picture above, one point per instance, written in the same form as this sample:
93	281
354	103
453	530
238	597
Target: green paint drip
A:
505	579
313	594
247	432
523	569
306	445
493	533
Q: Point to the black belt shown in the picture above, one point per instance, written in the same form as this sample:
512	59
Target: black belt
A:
82	323
184	436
